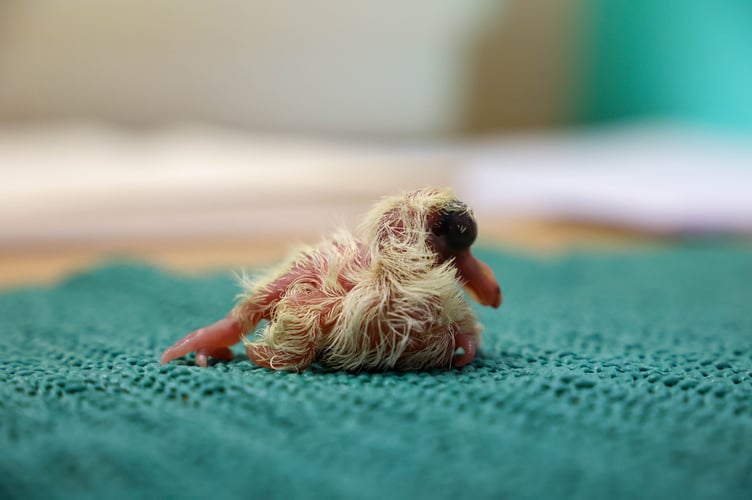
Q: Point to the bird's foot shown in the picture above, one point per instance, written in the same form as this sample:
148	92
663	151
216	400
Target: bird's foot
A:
211	341
221	353
469	345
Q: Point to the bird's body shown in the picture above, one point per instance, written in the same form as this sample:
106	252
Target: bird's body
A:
386	299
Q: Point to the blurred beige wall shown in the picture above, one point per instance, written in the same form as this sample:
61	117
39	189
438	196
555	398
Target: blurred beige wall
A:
378	67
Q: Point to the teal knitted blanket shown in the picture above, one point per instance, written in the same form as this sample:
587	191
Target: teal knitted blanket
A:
602	376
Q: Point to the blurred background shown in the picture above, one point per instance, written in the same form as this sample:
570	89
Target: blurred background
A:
211	134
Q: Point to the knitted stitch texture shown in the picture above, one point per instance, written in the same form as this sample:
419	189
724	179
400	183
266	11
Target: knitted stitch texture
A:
602	376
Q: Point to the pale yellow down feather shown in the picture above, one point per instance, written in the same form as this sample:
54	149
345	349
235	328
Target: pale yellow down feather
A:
402	312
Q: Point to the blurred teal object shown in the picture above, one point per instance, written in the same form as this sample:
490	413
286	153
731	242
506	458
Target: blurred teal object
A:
602	376
669	59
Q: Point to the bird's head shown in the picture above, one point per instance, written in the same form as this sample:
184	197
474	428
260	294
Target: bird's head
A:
432	224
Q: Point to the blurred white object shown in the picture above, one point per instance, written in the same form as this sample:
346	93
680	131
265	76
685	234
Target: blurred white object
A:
650	178
84	184
93	184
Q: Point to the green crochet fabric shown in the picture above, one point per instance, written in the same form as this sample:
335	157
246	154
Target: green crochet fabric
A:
602	376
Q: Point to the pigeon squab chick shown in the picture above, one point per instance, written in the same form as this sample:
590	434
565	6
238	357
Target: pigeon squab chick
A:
389	298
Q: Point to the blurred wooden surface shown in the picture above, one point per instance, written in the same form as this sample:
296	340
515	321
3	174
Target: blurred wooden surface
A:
40	266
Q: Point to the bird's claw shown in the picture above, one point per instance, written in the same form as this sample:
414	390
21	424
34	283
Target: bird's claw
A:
220	353
469	345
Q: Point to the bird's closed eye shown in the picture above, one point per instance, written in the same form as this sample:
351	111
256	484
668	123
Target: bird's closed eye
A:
457	227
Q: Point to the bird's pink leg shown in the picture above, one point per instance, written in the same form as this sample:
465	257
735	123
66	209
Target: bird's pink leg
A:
211	341
469	345
214	340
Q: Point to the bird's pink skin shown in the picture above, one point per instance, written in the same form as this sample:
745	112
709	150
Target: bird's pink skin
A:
214	341
469	347
210	341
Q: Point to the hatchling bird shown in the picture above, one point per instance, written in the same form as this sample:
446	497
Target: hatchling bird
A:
388	299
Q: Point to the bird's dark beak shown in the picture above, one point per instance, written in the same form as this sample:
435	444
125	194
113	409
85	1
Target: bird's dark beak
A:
478	279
